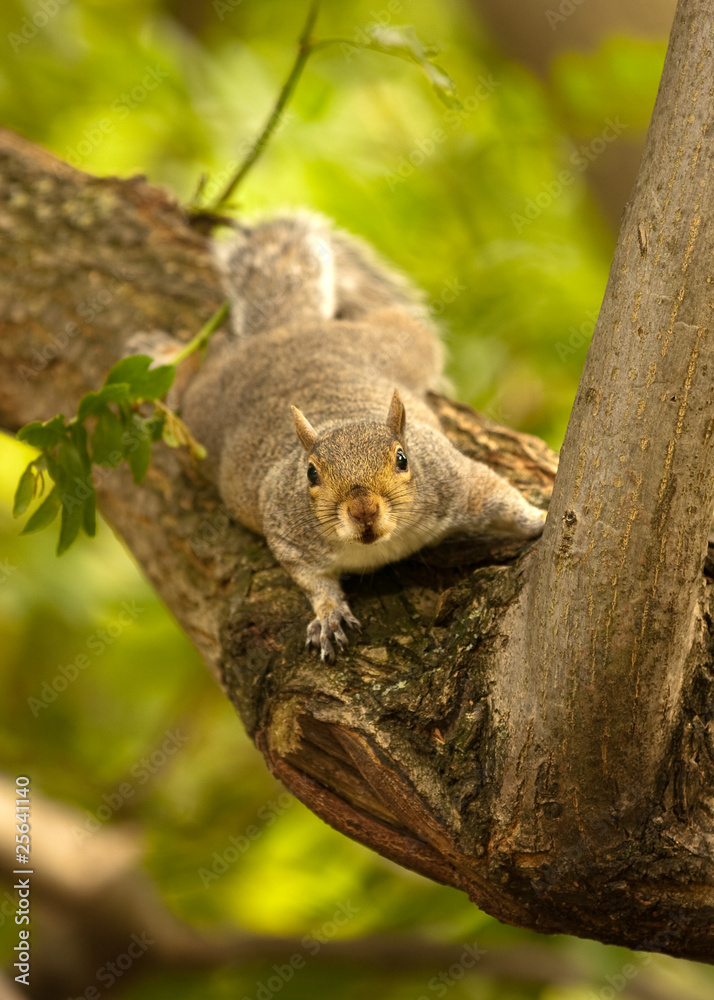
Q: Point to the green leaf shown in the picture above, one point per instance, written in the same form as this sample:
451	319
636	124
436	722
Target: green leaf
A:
78	434
129	370
144	382
138	451
25	491
442	83
96	402
71	465
402	38
139	459
71	522
89	514
157	383
43	436
403	41
52	467
45	513
156	426
107	445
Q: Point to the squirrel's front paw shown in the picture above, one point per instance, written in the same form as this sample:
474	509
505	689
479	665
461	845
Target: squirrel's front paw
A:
518	518
325	632
532	522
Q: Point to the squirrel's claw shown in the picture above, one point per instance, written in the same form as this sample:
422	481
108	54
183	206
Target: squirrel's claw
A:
323	632
353	623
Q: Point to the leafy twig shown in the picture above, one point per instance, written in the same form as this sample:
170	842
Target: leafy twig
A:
401	42
305	48
117	432
203	335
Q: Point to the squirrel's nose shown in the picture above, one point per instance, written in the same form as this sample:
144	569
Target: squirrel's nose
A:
364	511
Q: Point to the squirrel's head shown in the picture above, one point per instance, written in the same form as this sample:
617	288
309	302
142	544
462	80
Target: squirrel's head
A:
358	476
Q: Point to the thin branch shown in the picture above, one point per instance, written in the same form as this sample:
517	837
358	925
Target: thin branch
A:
204	334
410	49
305	48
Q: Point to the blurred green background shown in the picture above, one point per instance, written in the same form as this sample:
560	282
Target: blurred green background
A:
444	194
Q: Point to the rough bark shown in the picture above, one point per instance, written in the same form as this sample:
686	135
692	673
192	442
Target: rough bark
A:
533	726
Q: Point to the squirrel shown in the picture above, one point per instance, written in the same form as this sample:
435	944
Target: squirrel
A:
313	412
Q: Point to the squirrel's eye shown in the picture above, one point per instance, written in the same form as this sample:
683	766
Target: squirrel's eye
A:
313	476
401	460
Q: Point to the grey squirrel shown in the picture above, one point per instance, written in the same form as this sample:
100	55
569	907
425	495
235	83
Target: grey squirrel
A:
357	473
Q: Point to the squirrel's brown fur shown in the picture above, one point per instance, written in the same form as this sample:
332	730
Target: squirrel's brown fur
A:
370	477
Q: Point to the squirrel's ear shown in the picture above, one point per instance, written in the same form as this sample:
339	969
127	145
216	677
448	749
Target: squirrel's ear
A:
305	431
397	417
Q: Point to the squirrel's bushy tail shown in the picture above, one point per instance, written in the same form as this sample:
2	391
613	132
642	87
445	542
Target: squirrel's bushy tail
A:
298	269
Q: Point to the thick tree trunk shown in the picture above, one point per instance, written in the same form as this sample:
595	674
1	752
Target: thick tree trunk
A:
533	726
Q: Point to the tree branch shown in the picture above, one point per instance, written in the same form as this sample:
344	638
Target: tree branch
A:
480	730
619	574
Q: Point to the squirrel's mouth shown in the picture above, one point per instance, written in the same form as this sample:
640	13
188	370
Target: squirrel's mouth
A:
368	536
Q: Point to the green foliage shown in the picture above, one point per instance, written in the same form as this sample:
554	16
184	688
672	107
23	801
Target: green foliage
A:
118	88
404	43
619	78
118	433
